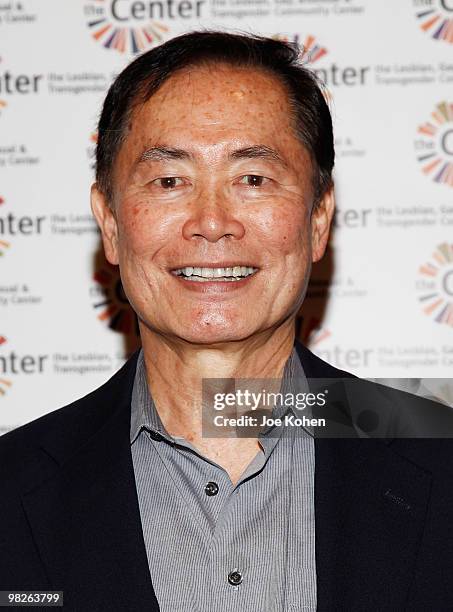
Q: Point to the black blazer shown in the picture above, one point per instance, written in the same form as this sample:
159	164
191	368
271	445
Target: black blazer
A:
69	516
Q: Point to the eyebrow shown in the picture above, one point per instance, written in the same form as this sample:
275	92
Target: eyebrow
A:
258	152
164	153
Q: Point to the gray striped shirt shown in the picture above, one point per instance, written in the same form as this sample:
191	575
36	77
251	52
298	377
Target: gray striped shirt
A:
225	547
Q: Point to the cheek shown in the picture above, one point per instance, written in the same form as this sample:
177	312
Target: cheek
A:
141	231
134	231
284	229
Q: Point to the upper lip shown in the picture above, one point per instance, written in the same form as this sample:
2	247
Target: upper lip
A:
215	264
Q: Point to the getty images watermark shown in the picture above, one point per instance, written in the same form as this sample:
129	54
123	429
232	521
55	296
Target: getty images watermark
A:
251	401
247	407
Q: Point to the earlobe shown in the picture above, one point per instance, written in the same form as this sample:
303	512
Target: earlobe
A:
107	223
321	220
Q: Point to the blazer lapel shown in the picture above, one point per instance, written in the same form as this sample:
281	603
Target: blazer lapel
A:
85	519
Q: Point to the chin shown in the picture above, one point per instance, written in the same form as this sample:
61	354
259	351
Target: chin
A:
207	332
209	336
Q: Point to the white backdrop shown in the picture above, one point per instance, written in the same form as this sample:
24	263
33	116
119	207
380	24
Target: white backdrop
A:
379	305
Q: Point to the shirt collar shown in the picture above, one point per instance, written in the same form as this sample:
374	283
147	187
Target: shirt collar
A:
144	414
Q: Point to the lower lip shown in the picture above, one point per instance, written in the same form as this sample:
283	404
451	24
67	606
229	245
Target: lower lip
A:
213	286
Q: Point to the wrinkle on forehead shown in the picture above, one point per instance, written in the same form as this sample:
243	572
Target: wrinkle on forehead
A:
224	85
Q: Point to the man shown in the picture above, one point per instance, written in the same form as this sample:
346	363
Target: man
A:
214	195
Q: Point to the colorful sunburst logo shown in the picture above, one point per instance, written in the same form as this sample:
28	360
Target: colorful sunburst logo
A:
114	307
312	51
113	33
435	285
437	134
435	19
5	384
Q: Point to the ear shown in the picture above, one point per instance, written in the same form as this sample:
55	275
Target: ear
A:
321	219
106	220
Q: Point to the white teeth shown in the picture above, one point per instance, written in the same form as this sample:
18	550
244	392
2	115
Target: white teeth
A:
222	274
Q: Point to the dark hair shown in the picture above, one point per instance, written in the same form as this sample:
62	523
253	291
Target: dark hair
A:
143	77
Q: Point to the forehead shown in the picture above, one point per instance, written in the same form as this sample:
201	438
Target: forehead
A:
214	103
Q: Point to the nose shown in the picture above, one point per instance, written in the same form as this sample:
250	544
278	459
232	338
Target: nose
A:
212	221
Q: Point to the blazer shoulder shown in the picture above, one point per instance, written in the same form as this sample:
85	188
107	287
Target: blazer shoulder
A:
68	427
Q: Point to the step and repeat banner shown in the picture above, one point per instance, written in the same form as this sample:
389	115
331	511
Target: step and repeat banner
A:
380	304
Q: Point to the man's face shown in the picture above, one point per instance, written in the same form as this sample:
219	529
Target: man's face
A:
211	180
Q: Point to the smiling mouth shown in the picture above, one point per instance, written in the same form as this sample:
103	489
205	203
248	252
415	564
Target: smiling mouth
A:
207	274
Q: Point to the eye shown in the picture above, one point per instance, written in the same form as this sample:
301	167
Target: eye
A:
169	182
252	180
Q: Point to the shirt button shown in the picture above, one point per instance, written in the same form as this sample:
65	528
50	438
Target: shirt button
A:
235	577
155	436
211	488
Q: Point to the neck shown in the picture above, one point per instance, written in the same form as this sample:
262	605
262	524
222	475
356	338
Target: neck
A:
175	369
